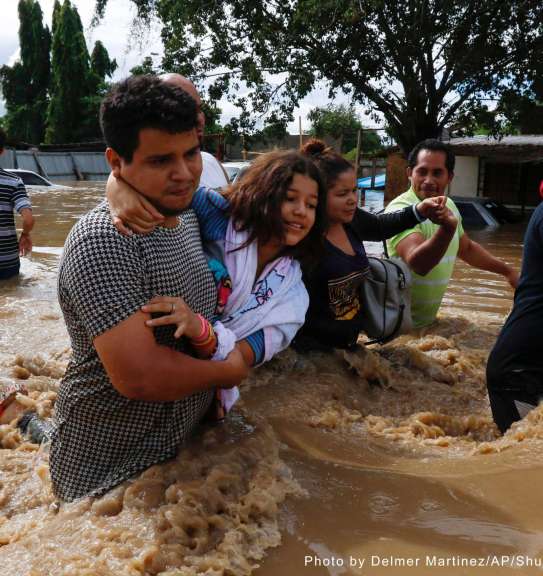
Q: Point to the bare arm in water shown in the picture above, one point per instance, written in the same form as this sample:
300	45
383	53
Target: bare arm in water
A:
25	241
475	255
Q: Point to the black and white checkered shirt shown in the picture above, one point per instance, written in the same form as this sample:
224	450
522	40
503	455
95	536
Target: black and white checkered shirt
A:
102	438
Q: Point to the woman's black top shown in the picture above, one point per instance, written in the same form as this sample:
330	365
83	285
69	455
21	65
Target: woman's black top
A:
334	315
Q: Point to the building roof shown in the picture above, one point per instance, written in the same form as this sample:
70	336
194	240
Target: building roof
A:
525	148
379	182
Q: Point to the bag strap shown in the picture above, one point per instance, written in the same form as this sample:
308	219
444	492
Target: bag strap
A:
385	249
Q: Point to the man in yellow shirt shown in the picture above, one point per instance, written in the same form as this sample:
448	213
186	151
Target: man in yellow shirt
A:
429	249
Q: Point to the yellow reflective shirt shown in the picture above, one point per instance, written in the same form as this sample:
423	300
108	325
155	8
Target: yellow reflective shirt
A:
426	291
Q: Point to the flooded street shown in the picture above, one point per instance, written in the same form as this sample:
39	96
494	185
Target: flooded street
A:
380	461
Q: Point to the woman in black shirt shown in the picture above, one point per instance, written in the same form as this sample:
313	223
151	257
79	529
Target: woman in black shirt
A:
334	315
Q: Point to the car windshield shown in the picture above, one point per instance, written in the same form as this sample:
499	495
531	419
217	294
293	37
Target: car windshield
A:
31	179
231	171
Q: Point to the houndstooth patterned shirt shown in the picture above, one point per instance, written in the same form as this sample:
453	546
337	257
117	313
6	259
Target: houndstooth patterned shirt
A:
102	438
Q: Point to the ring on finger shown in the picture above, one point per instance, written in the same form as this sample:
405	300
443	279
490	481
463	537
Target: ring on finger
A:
173	308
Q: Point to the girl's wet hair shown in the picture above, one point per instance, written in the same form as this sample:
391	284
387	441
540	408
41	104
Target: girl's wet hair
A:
256	200
329	162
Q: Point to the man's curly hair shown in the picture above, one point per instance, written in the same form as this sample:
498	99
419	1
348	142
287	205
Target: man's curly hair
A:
140	102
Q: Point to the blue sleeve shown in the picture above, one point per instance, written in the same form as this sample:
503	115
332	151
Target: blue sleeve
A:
211	209
20	198
256	342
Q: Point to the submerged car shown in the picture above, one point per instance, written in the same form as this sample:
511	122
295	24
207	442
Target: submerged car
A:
32	179
235	169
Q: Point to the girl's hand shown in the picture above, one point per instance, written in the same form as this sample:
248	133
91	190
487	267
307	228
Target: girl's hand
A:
175	312
130	211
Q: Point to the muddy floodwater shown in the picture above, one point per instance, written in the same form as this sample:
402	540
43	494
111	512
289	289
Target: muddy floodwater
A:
380	461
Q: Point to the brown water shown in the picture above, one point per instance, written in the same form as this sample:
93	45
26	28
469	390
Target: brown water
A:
384	461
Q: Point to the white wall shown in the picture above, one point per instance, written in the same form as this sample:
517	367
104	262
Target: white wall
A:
466	172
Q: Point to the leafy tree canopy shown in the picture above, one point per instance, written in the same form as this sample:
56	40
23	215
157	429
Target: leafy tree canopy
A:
25	84
78	81
101	64
336	121
146	67
343	123
421	64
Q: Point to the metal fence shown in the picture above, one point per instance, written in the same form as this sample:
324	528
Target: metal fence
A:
58	165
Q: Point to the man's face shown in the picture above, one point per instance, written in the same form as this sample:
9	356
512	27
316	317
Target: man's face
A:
430	176
165	168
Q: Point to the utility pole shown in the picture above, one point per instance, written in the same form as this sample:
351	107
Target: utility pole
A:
358	151
243	149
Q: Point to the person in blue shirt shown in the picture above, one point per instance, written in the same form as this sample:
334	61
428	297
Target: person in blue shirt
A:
13	196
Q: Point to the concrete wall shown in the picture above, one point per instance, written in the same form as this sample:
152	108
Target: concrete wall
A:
58	165
466	174
7	159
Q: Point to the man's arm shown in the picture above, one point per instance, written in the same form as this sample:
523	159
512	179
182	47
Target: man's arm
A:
141	369
475	255
422	255
25	241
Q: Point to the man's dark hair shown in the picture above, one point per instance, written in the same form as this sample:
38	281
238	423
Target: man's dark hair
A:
3	139
140	102
433	146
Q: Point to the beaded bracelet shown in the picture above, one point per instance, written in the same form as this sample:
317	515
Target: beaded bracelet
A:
208	336
204	329
206	347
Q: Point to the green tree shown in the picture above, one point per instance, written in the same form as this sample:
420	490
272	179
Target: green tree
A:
523	112
519	109
342	123
523	108
146	67
420	64
24	85
70	73
275	129
101	68
101	65
78	81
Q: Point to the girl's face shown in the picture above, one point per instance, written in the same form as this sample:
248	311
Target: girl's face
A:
299	208
341	199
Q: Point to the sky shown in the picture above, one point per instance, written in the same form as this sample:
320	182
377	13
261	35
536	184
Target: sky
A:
115	33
